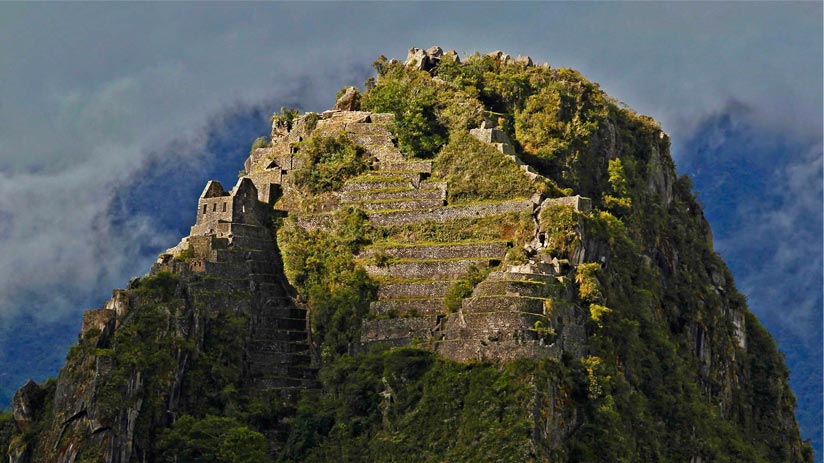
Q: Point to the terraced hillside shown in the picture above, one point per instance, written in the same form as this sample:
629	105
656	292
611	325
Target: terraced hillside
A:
424	270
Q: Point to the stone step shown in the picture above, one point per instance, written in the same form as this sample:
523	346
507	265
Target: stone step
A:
485	304
256	345
367	128
398	331
272	313
490	135
384	153
273	326
496	347
495	323
398	204
434	288
408	306
382	118
446	214
487	249
516	276
280	358
518	288
376	182
407	166
426	190
278	383
270	336
452	269
282	371
371	140
504	148
414	177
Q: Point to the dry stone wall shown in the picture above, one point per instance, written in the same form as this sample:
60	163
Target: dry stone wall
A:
508	314
236	253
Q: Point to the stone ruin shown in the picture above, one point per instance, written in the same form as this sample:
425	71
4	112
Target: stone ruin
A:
520	310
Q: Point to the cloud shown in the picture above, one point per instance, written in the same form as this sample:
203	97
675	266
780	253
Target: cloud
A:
762	193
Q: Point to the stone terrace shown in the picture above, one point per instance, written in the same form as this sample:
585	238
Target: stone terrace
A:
511	314
520	312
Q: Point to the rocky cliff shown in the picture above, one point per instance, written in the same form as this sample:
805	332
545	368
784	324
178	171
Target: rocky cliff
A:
476	259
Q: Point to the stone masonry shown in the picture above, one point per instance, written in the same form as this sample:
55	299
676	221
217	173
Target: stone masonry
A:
231	250
514	313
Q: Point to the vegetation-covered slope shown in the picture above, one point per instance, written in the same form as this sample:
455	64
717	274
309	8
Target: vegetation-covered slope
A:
672	366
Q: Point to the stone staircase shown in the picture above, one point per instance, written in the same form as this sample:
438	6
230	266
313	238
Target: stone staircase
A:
488	133
518	312
277	352
414	277
515	312
417	276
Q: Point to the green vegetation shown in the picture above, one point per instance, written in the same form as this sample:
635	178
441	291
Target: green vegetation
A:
426	110
412	98
213	440
8	429
589	288
561	225
285	118
407	405
617	199
321	266
327	162
477	171
463	287
260	142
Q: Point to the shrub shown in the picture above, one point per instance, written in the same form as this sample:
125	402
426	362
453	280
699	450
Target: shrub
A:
327	162
412	97
464	287
213	439
260	142
477	171
321	266
285	118
516	256
589	288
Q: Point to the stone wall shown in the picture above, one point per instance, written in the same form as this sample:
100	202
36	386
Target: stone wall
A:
491	250
449	213
446	269
399	331
577	202
435	288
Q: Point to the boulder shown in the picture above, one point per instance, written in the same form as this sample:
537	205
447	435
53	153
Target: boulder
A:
525	60
424	60
24	404
451	55
501	57
349	100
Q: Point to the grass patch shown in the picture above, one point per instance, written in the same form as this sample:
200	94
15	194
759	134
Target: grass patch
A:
514	226
478	171
373	178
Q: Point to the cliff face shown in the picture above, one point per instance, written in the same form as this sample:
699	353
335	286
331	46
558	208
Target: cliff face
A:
471	260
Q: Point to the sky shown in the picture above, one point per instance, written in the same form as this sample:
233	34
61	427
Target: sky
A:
113	116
